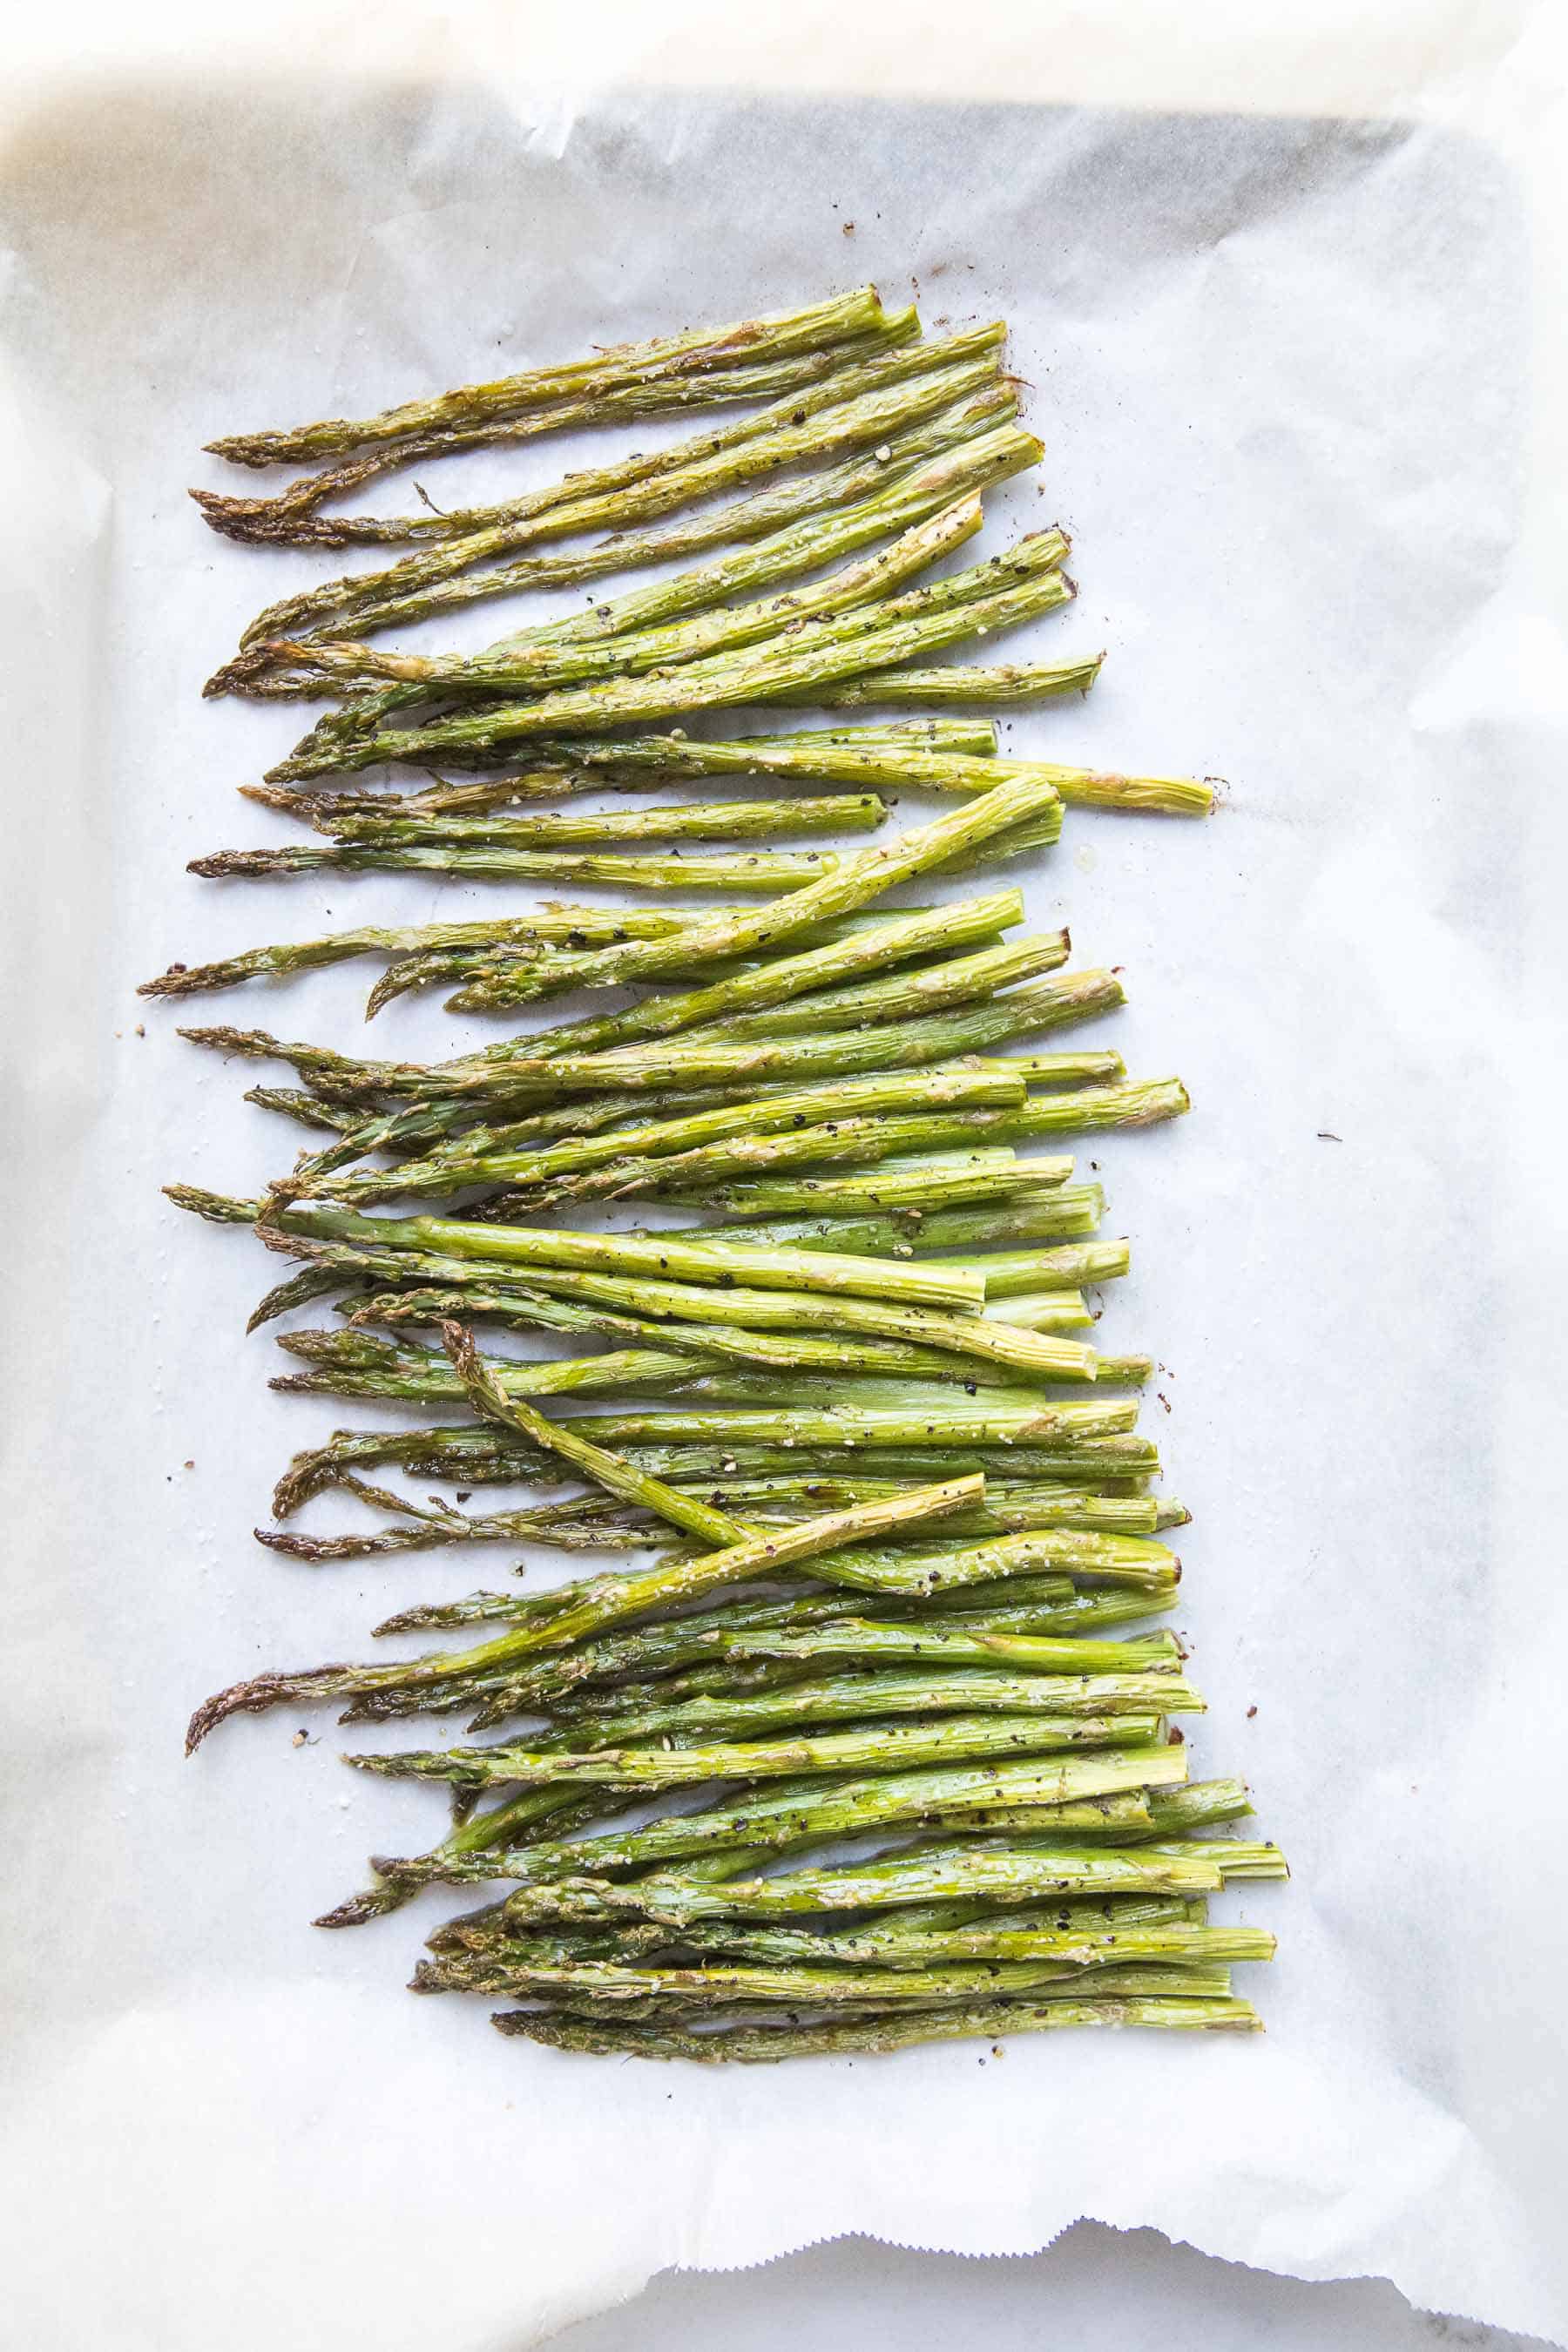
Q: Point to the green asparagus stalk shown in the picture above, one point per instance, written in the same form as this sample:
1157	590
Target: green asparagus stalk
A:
491	973
1236	1857
629	652
1200	1804
856	1638
1079	787
712	1261
902	995
835	432
878	1746
355	1363
693	1063
399	1881
881	1939
948	1229
877	870
859	1698
610	1987
573	928
1003	1873
1130	1561
861	370
921	688
943	1180
648	762
673	820
471	1456
765	1499
977	1337
1023	585
765	2044
978	430
779	335
767	1818
787	979
585	1608
539	1149
282	516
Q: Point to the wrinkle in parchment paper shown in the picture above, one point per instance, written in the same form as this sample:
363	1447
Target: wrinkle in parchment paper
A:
1279	366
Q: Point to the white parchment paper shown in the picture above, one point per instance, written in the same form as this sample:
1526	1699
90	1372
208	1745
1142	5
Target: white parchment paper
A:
1285	367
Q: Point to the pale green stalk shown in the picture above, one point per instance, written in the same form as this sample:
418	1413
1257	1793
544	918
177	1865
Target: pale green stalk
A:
922	689
767	2045
288	515
778	335
1023	585
835	432
628	653
715	1262
874	1746
815	507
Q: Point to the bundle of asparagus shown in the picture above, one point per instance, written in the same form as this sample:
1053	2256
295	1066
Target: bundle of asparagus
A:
884	1659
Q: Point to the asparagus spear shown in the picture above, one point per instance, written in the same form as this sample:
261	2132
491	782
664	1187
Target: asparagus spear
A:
881	1939
1080	787
877	870
562	1145
576	927
812	973
355	1363
584	1609
864	1748
524	933
766	1818
937	987
977	430
860	1698
856	1638
1002	1872
619	1985
672	821
646	762
468	1456
713	1261
947	1229
587	1523
666	1660
769	1351
282	516
920	688
694	1062
942	1179
1009	1510
777	335
850	424
574	659
1023	584
757	2045
685	1664
676	1304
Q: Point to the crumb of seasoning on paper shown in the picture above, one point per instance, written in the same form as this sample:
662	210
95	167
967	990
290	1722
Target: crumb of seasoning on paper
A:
795	1060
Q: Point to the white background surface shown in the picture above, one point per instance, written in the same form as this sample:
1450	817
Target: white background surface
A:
1285	372
1095	2286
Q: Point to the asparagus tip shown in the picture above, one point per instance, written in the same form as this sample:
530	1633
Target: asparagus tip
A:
358	1910
253	1697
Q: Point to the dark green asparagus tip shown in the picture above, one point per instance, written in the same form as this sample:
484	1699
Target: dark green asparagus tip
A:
219	1208
254	1697
375	1903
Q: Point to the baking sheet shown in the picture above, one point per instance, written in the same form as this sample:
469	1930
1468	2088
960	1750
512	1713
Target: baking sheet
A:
1283	367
